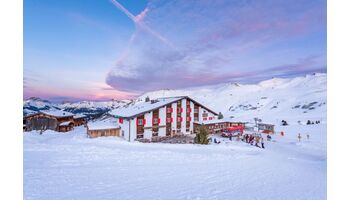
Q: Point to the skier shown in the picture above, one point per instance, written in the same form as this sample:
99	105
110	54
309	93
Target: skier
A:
282	133
246	138
262	143
308	136
299	137
230	136
257	140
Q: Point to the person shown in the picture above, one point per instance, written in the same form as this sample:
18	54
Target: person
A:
262	143
282	133
251	138
299	137
215	141
257	140
246	138
268	137
308	136
230	136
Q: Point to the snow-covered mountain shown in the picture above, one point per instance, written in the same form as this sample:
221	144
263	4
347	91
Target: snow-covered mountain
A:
294	99
89	108
272	100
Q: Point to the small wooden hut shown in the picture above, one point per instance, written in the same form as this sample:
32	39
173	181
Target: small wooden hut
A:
103	128
79	119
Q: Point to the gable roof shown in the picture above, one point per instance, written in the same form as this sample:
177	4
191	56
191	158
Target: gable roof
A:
143	107
57	113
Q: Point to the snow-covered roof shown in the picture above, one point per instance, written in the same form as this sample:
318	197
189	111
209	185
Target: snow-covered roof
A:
101	125
65	123
77	116
142	107
57	113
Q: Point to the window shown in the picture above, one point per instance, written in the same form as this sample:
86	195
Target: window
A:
204	118
141	121
156	121
179	110
169	110
179	119
188	119
188	109
169	120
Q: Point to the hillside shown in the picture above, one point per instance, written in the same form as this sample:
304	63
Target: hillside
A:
292	99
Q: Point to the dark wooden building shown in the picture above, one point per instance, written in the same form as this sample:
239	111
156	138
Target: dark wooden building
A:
79	119
56	120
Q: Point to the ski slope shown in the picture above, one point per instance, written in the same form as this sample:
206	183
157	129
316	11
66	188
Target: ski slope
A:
72	166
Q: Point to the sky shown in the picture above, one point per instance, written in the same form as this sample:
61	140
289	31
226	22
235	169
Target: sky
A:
119	49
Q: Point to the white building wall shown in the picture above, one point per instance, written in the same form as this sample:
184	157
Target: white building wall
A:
132	129
162	116
173	115
148	126
200	114
124	129
183	115
192	116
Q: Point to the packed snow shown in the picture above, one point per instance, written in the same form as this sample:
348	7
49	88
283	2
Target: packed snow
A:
72	166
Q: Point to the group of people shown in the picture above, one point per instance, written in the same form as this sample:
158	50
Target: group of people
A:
254	138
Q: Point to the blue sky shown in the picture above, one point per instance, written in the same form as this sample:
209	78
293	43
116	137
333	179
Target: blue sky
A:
91	49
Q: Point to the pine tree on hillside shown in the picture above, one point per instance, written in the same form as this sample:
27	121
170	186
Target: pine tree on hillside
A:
221	116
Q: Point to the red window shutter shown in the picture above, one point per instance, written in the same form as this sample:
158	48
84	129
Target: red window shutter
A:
120	120
144	121
189	118
181	117
181	110
158	120
171	119
171	109
137	122
190	109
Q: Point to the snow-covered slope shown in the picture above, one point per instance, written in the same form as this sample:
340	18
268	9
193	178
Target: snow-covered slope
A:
292	99
89	108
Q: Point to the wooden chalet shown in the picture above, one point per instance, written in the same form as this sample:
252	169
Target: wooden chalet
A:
56	120
79	119
107	127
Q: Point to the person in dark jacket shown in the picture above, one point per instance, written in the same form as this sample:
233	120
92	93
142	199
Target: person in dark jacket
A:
262	143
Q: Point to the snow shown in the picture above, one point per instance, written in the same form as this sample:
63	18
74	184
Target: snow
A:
65	123
57	113
271	100
108	123
140	107
77	116
72	166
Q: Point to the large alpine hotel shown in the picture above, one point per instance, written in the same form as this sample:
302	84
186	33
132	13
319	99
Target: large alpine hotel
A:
161	117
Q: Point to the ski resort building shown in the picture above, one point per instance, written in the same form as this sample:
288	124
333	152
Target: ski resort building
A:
56	120
219	125
161	117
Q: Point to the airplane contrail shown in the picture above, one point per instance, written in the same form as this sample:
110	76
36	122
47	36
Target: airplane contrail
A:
140	23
